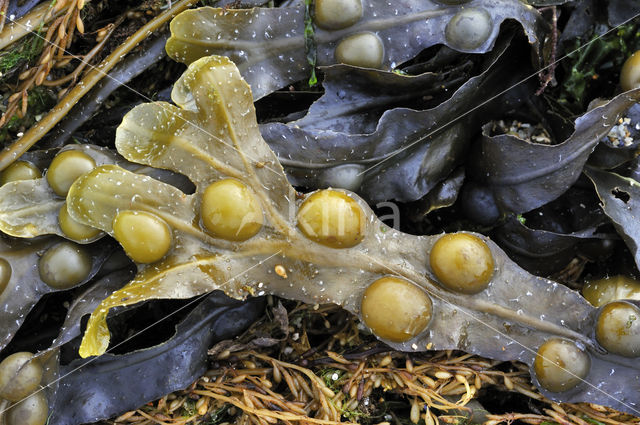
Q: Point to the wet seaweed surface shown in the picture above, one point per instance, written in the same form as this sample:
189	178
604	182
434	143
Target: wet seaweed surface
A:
449	188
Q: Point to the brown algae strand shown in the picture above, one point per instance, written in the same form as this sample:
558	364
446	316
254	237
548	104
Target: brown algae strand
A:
560	365
332	218
145	237
618	328
396	309
462	262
